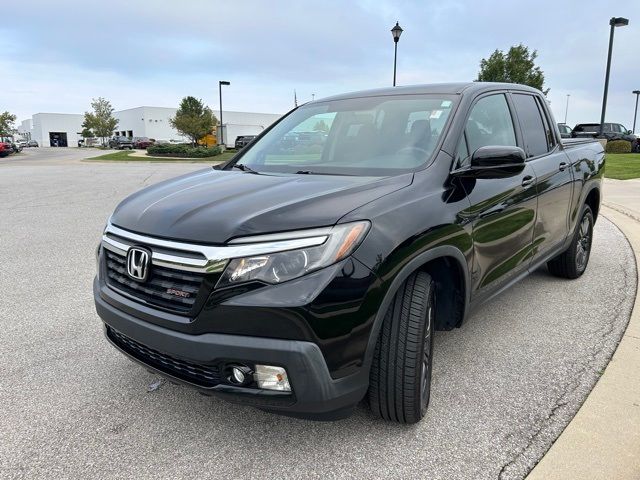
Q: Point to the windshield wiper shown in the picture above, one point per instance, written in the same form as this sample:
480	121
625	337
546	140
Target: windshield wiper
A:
311	172
244	168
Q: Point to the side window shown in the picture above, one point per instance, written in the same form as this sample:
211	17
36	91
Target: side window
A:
533	131
551	140
490	123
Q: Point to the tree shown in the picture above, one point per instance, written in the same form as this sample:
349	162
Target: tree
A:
87	133
193	119
321	126
100	121
7	121
516	66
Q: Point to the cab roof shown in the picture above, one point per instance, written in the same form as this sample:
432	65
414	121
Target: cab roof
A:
434	88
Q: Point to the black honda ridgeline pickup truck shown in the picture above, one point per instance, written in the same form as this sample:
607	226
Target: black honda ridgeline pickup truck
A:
301	279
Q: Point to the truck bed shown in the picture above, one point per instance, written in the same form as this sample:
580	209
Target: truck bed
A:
573	142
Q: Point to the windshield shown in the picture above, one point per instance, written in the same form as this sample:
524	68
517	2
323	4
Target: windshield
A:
373	136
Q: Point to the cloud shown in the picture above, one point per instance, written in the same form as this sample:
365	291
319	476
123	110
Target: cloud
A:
148	52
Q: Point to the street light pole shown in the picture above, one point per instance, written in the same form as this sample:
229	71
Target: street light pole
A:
614	22
220	84
566	110
635	112
396	32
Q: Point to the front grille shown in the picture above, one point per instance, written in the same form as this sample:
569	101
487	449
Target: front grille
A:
202	375
157	290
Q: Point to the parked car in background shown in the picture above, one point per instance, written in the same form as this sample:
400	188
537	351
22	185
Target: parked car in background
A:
14	146
23	143
243	141
120	143
565	130
611	131
303	282
32	143
142	142
5	149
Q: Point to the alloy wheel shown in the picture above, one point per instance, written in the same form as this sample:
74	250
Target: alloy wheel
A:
583	245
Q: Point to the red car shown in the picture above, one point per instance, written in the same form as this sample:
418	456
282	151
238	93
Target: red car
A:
143	142
5	149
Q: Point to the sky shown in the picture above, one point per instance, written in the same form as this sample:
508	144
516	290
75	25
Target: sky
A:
143	52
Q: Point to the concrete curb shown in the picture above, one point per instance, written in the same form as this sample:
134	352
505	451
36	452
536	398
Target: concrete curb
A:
603	439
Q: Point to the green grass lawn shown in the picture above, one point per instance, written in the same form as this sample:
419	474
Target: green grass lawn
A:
622	166
125	155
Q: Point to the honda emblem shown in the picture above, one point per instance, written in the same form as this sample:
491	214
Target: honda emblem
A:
138	260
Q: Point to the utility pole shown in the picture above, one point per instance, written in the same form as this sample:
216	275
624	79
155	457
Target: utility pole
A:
614	22
220	84
396	32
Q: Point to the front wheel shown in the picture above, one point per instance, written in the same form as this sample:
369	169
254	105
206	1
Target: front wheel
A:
400	379
573	261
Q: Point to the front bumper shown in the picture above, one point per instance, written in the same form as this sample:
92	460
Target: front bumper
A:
315	394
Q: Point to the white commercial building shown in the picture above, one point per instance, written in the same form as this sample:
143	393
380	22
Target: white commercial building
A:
62	129
57	129
236	124
25	128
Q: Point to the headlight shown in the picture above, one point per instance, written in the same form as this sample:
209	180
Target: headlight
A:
278	267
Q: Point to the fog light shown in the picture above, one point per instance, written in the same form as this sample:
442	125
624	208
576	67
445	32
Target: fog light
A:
269	377
240	375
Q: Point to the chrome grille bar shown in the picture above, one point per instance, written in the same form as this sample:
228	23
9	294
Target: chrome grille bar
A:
208	259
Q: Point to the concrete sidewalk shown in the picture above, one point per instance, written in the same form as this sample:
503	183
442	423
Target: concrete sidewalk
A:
623	196
603	439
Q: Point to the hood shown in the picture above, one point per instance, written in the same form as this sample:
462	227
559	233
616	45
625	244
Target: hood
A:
213	206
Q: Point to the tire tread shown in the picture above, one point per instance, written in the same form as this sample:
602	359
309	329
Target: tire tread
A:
394	386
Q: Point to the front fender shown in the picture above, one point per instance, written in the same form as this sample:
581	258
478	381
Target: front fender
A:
396	277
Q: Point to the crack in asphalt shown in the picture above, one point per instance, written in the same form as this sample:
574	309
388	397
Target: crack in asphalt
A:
590	368
622	210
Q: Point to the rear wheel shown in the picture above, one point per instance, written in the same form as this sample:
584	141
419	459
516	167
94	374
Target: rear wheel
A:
573	261
400	379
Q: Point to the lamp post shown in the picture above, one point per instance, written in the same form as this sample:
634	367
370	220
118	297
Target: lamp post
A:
635	112
396	32
614	22
220	84
566	110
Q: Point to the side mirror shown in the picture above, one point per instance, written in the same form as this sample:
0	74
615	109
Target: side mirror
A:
495	162
629	132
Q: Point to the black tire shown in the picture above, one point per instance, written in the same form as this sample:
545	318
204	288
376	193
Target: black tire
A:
400	378
574	260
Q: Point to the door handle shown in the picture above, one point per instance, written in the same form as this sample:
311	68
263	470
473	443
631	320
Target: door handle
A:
562	166
527	181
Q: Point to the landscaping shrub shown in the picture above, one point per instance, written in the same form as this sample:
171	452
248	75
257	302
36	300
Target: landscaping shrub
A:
618	146
183	151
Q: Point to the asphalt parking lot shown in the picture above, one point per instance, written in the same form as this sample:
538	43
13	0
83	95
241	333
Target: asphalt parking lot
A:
505	385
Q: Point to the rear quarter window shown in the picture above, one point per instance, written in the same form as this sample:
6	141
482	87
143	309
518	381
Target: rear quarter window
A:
533	129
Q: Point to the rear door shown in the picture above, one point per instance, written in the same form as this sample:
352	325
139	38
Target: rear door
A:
552	172
503	210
